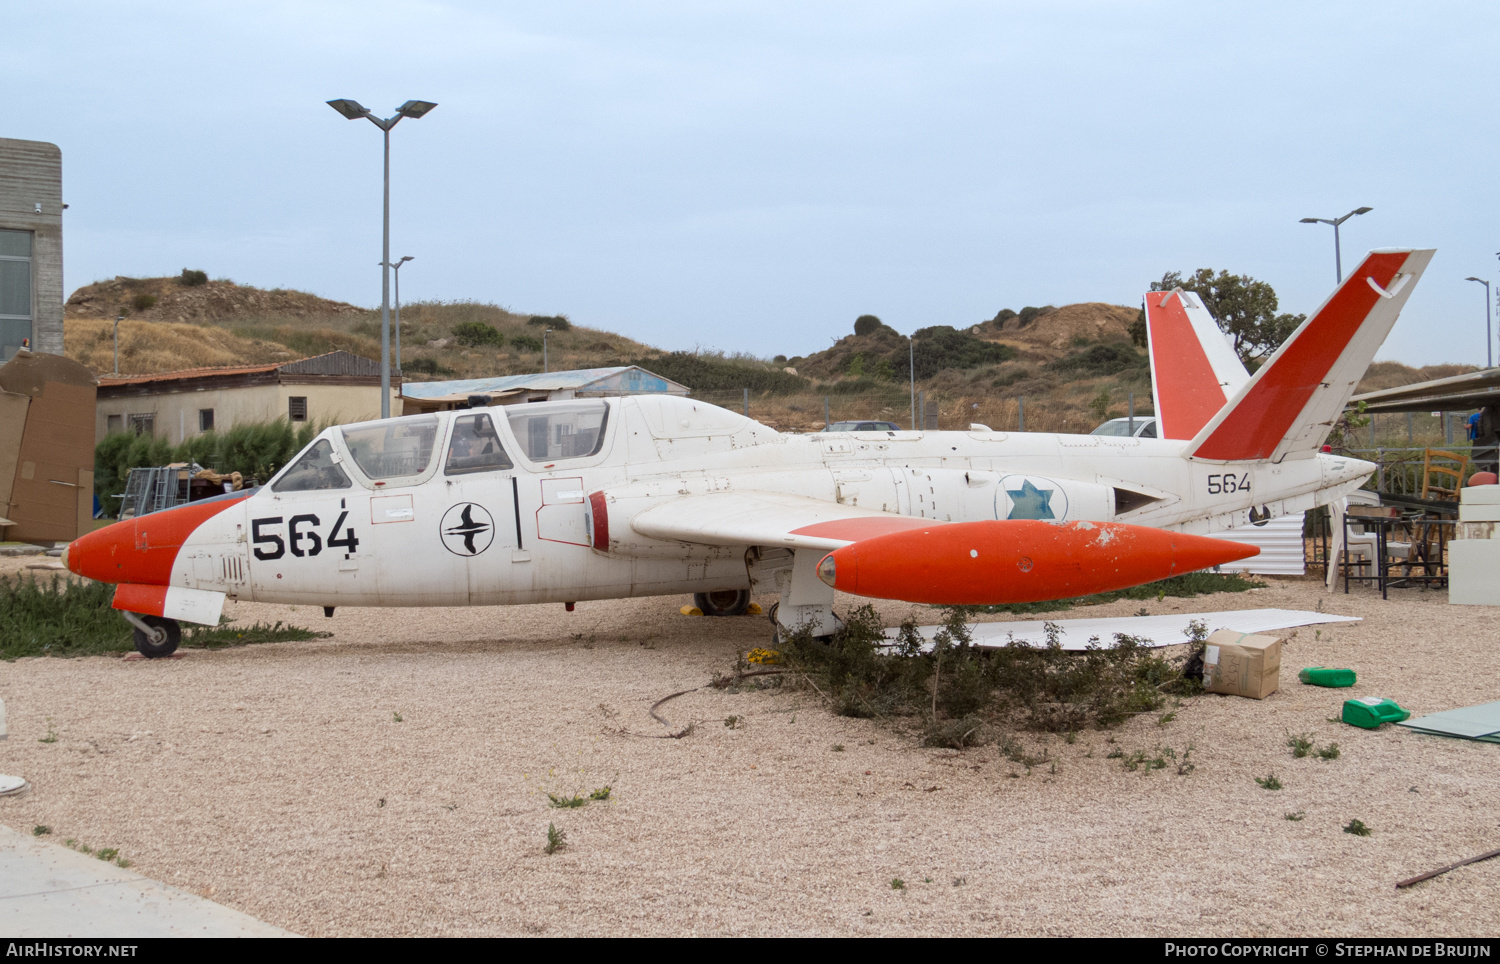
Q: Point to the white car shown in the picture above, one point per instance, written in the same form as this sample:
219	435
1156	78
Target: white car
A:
1145	427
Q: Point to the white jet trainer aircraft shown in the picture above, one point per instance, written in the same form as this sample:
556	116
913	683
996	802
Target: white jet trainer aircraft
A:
656	495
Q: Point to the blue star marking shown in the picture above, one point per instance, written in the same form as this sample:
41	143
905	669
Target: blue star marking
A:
1030	502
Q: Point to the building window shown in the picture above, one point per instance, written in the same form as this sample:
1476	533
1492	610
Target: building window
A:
15	292
114	423
205	420
296	408
143	425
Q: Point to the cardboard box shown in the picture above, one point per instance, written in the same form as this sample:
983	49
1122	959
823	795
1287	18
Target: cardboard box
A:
1241	664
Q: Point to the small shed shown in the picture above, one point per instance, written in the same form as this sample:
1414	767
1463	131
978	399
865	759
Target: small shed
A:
418	397
335	387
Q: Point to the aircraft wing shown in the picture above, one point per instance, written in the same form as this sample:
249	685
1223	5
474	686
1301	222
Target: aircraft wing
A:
767	519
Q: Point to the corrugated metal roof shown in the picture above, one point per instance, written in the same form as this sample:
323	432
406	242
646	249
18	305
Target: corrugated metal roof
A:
1474	390
106	381
578	380
329	363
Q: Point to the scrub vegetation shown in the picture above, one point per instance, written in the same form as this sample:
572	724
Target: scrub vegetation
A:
963	695
69	617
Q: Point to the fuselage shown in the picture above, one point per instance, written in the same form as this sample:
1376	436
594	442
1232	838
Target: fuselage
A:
533	503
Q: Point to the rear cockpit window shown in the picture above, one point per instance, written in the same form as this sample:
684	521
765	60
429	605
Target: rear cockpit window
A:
314	470
554	431
475	447
394	448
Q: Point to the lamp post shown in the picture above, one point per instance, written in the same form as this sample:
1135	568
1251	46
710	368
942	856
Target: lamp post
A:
545	333
118	319
1489	355
911	359
1338	262
353	111
397	269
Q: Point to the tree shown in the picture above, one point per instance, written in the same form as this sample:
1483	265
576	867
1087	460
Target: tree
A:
1245	309
866	325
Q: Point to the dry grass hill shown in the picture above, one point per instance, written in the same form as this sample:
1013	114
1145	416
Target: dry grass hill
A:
1074	365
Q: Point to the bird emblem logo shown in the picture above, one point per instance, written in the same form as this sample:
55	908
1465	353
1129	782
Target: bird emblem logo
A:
467	529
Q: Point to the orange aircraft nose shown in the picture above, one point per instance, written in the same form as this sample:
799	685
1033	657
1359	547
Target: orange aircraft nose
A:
1013	561
140	550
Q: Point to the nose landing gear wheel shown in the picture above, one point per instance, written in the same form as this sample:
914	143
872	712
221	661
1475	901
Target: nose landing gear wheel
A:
723	602
163	639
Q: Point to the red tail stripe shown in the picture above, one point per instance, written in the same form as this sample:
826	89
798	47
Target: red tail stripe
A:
1256	425
1187	388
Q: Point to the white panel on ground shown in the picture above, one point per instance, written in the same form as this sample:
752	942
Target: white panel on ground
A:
1280	542
1159	630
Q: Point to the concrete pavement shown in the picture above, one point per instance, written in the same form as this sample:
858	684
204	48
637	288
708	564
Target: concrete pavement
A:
48	890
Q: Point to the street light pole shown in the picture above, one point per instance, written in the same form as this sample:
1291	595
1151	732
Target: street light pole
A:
1489	355
397	269
911	359
545	333
353	111
118	319
1338	261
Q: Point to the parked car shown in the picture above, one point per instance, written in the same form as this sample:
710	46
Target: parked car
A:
862	427
1145	427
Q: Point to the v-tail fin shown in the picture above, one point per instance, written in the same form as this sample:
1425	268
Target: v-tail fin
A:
1194	371
1287	408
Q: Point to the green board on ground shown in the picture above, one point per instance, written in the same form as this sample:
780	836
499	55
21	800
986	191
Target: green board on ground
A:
1480	722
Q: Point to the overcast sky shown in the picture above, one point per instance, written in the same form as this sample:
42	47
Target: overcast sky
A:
753	176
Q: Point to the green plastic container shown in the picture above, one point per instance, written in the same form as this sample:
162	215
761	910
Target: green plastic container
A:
1327	676
1371	711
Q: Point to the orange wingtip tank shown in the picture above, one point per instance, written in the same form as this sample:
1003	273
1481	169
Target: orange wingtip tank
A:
1017	561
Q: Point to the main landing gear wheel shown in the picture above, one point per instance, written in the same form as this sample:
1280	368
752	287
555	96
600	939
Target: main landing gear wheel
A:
163	640
723	602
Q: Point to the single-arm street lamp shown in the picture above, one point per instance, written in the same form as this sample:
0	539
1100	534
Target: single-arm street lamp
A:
1338	262
1489	355
545	333
353	111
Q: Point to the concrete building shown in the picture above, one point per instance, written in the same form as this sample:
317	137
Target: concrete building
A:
335	388
417	397
31	281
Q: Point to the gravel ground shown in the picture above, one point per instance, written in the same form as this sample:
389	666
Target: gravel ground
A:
278	780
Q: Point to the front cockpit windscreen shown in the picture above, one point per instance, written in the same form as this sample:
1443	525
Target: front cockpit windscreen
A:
314	470
553	431
392	448
475	447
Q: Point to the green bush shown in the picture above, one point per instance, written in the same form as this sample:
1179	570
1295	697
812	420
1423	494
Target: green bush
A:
474	334
866	325
1004	315
1098	360
191	278
255	450
555	322
942	347
425	366
1030	314
713	373
525	343
70	617
143	301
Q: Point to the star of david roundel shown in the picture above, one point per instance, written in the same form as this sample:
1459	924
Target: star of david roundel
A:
1030	497
467	529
